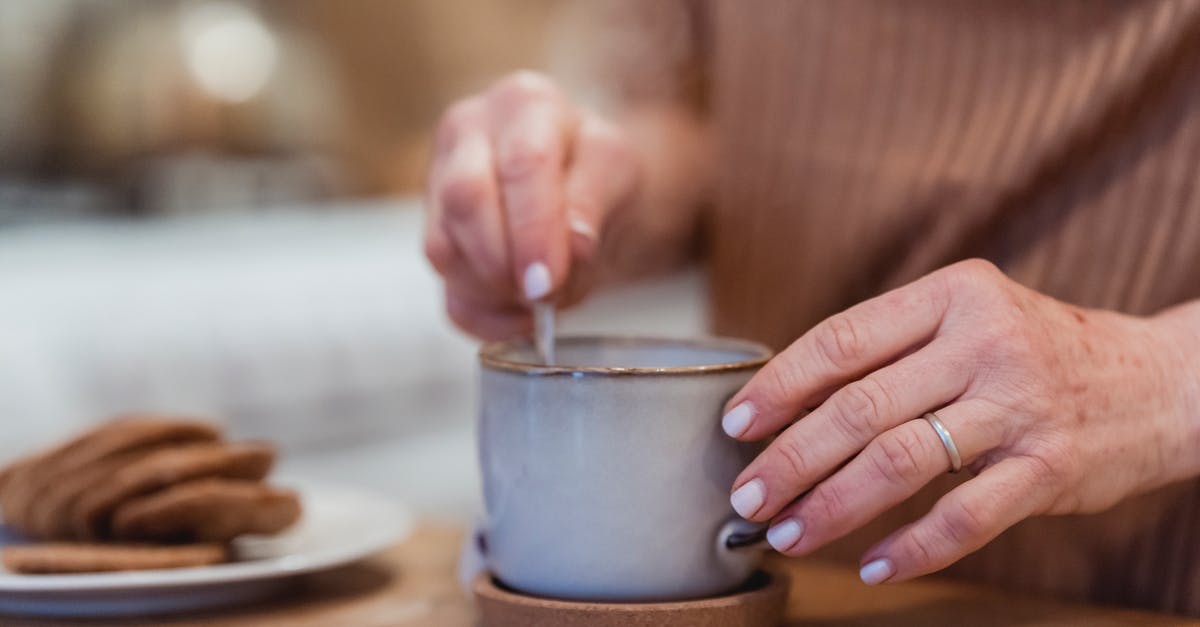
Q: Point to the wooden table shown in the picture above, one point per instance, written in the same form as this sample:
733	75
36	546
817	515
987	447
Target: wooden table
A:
414	584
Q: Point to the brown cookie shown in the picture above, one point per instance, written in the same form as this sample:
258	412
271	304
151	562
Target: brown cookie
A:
26	479
11	468
163	468
209	510
70	557
49	516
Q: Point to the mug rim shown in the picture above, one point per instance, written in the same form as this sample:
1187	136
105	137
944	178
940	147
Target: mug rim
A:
491	356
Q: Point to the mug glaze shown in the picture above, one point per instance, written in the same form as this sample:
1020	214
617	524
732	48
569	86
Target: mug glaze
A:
608	478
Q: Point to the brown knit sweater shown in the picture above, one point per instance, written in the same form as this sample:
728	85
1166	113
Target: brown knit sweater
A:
863	143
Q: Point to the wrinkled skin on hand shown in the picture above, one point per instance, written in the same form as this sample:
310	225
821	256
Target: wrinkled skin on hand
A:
1055	410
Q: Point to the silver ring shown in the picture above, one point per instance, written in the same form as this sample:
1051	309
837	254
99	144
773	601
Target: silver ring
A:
947	441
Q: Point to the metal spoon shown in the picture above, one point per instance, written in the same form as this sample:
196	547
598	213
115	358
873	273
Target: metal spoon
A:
543	331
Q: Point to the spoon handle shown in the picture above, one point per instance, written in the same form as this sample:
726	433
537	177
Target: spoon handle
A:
543	332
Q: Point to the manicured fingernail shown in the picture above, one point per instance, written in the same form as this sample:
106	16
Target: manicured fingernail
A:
580	226
877	572
738	419
537	281
786	534
749	498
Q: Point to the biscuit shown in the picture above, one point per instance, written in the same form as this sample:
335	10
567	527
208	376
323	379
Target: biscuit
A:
70	557
208	510
9	470
26	479
162	468
49	516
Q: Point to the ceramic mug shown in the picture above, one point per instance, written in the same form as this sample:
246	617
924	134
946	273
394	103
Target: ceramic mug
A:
607	478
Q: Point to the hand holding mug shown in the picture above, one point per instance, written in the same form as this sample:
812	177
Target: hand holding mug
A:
1053	408
518	191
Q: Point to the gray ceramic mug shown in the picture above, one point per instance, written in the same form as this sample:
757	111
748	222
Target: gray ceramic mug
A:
607	478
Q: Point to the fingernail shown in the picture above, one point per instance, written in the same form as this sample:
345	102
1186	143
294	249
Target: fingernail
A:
537	281
749	498
580	226
738	419
785	535
877	572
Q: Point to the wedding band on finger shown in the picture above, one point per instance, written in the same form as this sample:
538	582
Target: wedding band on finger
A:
947	441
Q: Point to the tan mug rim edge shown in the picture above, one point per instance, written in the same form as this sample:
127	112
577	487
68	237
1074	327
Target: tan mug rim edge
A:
491	356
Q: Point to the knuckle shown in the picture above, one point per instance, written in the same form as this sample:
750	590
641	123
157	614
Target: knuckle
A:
864	408
1054	463
973	271
827	503
840	342
961	523
980	287
898	458
522	156
781	379
793	457
982	267
525	84
922	548
462	198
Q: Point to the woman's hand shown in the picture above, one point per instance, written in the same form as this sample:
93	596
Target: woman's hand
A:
1055	409
519	187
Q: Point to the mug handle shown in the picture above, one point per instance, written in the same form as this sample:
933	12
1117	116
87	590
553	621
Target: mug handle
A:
746	539
739	534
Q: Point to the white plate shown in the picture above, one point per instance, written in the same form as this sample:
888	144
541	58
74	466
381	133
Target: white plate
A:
339	525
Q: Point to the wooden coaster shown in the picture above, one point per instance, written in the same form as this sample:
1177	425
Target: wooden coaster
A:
759	604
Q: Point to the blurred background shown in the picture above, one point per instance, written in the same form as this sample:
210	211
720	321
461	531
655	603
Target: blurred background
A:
211	207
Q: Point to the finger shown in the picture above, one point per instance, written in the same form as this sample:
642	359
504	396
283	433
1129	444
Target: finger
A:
892	468
467	200
600	177
440	250
460	123
843	425
837	350
484	322
961	522
449	262
532	125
